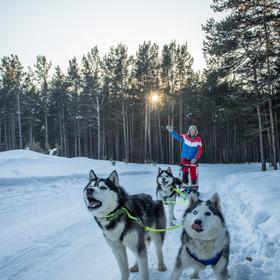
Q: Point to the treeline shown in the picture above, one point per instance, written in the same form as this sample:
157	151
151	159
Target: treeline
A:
117	106
244	47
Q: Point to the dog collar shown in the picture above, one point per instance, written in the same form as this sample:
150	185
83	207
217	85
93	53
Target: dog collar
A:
117	212
212	261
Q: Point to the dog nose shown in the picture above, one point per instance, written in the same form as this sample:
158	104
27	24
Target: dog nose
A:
198	222
90	191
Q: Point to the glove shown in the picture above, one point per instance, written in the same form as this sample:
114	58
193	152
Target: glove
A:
169	128
193	161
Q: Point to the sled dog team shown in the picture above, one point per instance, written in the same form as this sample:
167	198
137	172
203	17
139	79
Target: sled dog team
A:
133	221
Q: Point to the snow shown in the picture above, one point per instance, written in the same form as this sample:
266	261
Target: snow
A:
46	232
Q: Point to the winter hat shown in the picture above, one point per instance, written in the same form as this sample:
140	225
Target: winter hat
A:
193	127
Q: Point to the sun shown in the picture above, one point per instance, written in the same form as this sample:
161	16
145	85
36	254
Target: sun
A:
155	97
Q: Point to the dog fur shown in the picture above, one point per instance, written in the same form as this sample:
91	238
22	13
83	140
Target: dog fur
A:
204	237
104	197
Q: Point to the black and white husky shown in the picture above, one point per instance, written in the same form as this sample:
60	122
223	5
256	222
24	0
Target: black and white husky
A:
205	239
166	185
109	204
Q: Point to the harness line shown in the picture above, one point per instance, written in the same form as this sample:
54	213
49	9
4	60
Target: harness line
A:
138	221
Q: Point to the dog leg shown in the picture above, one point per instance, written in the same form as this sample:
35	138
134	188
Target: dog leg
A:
221	275
134	268
178	267
142	260
157	239
195	275
119	252
170	210
176	273
220	270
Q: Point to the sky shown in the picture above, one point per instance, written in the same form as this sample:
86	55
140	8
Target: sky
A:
62	29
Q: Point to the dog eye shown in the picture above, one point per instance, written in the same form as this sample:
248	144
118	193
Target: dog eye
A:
207	213
103	188
195	212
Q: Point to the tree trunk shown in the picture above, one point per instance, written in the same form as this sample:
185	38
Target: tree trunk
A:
79	137
161	157
75	137
146	130
0	136
30	133
116	140
149	134
181	116
277	138
46	131
261	139
6	135
19	121
90	142
61	135
98	128
274	163
125	136
269	141
172	139
13	131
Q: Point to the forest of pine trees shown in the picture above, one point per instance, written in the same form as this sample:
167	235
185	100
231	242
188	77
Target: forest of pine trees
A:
116	106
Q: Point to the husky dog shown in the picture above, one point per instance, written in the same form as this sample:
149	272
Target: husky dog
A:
110	206
205	239
166	185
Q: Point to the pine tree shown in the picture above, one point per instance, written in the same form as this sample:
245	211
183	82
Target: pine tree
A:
42	69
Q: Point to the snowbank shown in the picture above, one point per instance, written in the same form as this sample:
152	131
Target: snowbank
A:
47	234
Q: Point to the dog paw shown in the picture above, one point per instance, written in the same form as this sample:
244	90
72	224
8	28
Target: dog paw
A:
195	275
134	268
162	267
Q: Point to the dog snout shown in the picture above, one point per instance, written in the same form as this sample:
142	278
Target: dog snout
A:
197	221
90	191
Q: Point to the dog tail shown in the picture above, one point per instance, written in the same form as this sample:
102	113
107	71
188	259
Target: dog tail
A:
160	217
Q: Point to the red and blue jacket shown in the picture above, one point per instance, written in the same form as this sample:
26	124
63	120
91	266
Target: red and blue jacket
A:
192	147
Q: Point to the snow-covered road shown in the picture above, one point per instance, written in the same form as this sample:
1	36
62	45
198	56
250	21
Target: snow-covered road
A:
46	232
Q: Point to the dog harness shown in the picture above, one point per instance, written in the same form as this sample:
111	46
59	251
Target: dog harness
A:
212	261
168	196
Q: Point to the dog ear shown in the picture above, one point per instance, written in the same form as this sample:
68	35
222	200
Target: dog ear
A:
92	176
159	170
169	170
114	178
192	200
215	200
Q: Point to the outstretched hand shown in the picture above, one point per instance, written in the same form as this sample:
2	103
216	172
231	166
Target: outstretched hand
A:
169	128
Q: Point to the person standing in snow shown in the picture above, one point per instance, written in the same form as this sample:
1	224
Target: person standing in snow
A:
191	151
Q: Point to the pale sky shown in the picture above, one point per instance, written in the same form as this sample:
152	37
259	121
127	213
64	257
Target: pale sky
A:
62	29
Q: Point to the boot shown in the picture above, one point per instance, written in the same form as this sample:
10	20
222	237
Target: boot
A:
185	178
194	182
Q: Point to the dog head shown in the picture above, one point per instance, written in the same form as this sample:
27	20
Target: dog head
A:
165	178
203	219
104	195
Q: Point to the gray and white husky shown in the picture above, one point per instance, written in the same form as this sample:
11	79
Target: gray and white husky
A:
166	185
109	204
205	239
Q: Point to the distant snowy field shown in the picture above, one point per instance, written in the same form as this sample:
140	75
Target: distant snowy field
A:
46	233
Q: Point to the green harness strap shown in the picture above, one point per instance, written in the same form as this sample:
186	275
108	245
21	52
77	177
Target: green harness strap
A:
138	221
180	193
